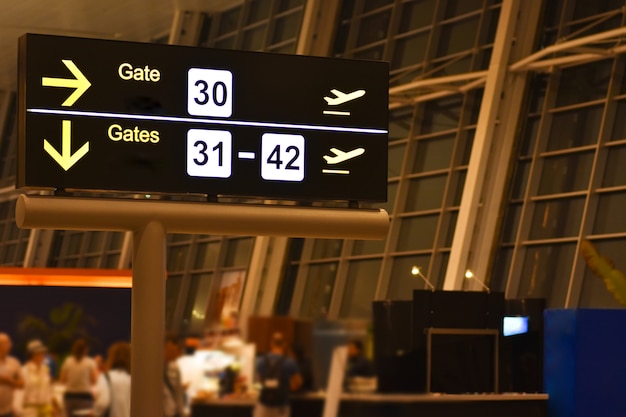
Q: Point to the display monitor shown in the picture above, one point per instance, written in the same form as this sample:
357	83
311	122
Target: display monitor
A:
514	325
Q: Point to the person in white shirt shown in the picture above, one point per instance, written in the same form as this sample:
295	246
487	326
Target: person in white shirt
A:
79	374
38	398
113	386
10	376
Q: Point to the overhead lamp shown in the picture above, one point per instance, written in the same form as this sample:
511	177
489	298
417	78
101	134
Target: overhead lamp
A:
470	276
416	270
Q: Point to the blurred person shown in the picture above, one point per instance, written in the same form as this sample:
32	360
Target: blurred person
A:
279	375
358	364
79	374
174	391
113	386
10	376
38	398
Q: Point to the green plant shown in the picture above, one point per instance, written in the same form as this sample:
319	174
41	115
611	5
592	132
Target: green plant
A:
59	329
603	267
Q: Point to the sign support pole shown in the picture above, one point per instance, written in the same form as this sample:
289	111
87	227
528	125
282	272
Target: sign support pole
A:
148	320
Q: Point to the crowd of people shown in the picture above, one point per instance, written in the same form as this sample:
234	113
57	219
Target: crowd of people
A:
92	388
89	388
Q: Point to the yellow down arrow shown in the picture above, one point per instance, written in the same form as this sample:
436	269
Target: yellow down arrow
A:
80	83
65	158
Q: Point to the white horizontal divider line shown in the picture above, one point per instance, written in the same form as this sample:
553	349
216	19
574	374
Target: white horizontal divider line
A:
207	121
335	171
337	113
246	155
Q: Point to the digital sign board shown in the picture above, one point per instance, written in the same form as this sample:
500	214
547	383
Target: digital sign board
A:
123	116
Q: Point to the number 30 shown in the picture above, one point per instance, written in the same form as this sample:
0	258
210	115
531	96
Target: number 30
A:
219	90
209	92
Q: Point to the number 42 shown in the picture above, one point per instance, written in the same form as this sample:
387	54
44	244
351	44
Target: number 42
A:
282	157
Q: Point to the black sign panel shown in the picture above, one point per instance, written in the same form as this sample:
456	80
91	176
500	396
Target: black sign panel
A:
122	116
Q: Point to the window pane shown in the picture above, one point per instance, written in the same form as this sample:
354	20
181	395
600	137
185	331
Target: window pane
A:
285	291
360	288
21	253
116	240
395	159
196	308
326	248
177	257
416	14
227	43
229	21
375	53
206	255
179	237
425	193
320	282
91	262
284	5
619	126
96	242
610	216
375	4
14	231
520	179
529	137
538	88
546	273
259	10
559	218
511	223
567	173
409	51
417	233
392	190
441	115
456	187
501	268
75	243
68	263
111	261
205	30
341	39
459	7
441	263
254	39
400	124
585	9
172	289
457	37
433	154
402	281
289	48
575	128
368	247
465	147
449	224
584	83
373	28
286	28
238	252
615	171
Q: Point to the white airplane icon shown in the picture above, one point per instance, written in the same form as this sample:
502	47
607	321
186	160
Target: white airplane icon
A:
341	156
341	97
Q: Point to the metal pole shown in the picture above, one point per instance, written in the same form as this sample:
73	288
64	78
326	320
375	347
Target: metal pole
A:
148	320
47	212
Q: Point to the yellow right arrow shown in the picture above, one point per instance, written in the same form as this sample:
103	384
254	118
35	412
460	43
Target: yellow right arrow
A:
65	158
80	83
